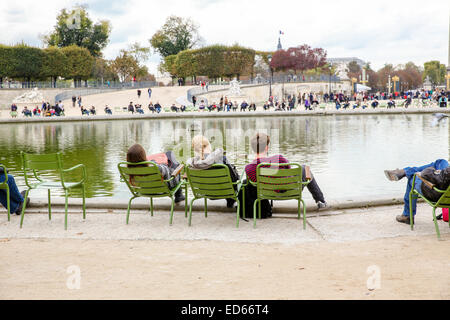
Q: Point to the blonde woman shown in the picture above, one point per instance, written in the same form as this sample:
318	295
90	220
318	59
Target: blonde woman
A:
205	158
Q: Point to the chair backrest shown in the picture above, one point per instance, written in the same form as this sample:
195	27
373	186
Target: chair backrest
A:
41	162
144	181
279	181
212	183
444	200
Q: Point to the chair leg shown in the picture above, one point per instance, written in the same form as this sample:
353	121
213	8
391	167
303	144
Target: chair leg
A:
411	211
304	215
186	204
151	206
206	208
65	209
237	213
24	207
436	224
190	212
128	210
49	206
259	209
254	212
171	211
84	203
298	209
8	204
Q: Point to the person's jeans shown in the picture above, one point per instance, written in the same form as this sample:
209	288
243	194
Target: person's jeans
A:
440	164
313	187
15	197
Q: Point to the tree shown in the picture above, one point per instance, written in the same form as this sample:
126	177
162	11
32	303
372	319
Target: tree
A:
6	62
102	70
140	53
176	35
435	71
354	70
299	58
54	64
74	27
125	65
26	62
79	64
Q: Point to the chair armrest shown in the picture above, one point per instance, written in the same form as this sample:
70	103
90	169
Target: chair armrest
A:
427	183
178	170
83	170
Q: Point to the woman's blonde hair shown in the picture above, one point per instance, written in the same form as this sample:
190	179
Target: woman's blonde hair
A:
201	145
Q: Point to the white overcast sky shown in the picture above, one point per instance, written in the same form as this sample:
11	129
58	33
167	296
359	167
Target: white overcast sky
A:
380	31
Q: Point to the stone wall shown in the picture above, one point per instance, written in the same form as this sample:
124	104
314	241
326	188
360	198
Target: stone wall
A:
260	93
8	95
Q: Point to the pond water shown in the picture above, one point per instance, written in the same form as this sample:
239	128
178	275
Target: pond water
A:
347	154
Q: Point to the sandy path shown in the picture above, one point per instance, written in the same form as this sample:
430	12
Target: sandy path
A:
410	268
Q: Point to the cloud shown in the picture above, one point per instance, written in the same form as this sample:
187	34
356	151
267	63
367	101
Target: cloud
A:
379	32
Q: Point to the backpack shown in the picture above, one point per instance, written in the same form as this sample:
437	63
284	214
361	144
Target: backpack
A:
444	215
250	197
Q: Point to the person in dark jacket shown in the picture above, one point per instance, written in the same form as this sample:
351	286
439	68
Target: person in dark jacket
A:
16	198
438	173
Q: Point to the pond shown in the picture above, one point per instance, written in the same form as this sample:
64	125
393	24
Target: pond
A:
347	154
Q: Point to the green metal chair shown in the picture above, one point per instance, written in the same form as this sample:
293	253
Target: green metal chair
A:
148	183
282	181
443	202
4	186
214	183
42	163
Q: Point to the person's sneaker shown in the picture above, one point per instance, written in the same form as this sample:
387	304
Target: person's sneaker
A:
322	205
19	209
395	175
179	199
404	219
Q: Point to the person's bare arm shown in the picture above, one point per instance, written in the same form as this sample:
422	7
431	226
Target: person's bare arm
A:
308	173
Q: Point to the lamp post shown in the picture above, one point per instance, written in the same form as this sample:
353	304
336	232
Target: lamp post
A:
389	84
269	58
396	80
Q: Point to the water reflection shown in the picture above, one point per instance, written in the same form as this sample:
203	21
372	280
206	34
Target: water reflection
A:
346	153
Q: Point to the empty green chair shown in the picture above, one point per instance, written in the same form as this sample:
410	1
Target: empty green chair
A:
443	202
146	181
275	182
35	165
214	183
4	186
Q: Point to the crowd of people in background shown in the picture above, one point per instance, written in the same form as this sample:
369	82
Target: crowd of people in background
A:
308	101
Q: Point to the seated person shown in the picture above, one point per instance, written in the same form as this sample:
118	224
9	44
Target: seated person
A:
260	145
131	108
443	101
166	164
437	173
375	103
16	198
139	109
26	112
244	105
37	111
84	111
204	159
408	102
183	108
252	107
234	106
108	110
266	106
58	110
338	105
92	111
202	105
391	103
307	104
229	106
151	107
158	107
174	108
